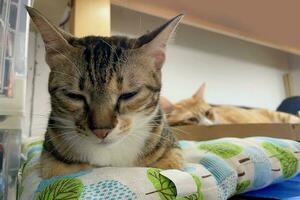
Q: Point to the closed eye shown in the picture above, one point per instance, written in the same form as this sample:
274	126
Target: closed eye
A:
193	119
74	96
127	96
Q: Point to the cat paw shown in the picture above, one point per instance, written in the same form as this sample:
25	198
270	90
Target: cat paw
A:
51	167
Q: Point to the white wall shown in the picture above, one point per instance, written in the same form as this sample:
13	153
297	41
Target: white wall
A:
296	76
38	73
295	70
236	72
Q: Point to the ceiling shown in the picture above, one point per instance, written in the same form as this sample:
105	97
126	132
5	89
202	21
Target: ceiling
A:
269	22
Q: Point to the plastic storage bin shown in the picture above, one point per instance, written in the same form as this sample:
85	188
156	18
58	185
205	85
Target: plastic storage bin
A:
10	147
13	51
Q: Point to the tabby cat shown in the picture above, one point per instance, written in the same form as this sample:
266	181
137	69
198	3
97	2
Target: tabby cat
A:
105	101
196	110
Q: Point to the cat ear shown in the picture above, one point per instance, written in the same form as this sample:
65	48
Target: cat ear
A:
200	92
154	43
53	37
165	104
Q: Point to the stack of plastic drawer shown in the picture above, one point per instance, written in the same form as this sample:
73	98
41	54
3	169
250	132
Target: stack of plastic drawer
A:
10	147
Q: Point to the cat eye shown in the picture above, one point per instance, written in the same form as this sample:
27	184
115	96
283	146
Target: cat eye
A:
74	96
193	119
127	96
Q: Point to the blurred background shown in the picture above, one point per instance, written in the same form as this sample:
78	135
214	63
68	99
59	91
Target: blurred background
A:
245	51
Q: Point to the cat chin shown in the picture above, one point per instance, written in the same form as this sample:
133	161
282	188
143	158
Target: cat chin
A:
115	140
206	121
109	141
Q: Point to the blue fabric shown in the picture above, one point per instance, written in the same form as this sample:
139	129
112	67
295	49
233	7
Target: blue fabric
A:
262	167
290	105
288	190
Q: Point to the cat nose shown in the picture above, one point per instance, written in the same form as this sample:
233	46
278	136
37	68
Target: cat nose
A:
101	133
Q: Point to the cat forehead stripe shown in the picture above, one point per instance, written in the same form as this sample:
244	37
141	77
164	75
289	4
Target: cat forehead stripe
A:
102	56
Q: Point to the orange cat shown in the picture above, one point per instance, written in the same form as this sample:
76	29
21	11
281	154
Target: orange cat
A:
195	110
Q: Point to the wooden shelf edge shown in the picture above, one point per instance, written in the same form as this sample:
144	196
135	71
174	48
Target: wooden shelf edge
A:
206	25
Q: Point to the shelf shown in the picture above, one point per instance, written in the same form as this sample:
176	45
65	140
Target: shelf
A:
269	23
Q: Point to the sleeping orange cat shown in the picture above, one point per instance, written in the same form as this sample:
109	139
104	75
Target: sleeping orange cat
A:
195	110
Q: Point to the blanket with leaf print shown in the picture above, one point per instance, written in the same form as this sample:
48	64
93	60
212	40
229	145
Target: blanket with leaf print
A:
216	169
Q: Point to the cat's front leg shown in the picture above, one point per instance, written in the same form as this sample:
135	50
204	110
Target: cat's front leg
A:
51	167
172	159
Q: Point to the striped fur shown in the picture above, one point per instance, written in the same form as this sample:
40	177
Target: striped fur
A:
105	83
196	111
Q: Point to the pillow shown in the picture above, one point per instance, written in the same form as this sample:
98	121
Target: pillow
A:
215	169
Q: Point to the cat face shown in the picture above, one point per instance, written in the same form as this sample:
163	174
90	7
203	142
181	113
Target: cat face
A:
191	111
103	88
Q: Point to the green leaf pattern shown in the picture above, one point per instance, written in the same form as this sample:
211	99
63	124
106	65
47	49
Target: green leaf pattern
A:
288	162
166	188
242	186
225	150
63	189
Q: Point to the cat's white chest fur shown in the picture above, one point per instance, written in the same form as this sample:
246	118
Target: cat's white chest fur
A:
123	154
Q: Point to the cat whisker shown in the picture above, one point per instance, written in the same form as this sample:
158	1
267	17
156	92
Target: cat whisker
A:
57	72
62	120
158	137
62	144
52	128
71	144
60	125
59	147
69	133
172	127
177	129
142	136
40	115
